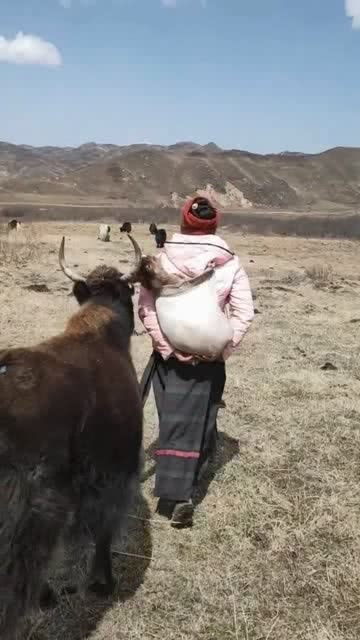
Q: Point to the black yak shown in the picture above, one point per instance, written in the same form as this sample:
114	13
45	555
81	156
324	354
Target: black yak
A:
125	227
153	228
160	238
13	225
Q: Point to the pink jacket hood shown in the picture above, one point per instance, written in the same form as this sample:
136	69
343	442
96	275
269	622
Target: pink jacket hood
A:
192	257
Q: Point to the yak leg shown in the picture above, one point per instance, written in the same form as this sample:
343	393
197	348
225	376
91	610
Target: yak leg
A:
99	519
113	508
101	577
33	515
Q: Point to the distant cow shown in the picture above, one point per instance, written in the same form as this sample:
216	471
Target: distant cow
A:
153	228
104	233
160	238
70	442
14	225
125	227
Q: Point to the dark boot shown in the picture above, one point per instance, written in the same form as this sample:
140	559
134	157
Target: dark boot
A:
165	507
183	515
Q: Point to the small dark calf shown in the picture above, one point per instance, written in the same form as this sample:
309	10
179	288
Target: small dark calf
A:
153	228
125	227
160	238
13	225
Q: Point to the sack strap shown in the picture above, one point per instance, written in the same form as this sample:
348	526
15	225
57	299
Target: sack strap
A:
201	244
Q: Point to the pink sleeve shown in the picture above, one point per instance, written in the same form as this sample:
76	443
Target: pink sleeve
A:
147	315
241	309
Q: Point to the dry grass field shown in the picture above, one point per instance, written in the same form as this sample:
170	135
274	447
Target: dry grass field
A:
275	550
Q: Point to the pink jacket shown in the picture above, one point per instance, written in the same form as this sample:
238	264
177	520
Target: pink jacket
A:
191	259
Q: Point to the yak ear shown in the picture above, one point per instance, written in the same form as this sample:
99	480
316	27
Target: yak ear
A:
81	292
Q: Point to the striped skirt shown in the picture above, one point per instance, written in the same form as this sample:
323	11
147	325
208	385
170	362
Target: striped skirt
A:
187	399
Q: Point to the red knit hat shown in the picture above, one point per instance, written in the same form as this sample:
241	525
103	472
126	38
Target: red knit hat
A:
199	216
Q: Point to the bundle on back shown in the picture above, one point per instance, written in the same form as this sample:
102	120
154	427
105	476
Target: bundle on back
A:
188	311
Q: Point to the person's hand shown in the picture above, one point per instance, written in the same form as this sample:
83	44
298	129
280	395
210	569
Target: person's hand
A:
184	357
228	351
207	358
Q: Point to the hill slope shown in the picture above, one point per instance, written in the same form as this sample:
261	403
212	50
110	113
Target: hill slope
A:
154	175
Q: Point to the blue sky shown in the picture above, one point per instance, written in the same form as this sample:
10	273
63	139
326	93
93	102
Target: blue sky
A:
262	75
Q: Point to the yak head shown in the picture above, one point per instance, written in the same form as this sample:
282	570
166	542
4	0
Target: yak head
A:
153	276
104	284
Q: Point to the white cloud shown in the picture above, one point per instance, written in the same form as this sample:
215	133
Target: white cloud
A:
28	49
352	8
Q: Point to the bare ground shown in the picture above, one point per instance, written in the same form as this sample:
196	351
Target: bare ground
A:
274	553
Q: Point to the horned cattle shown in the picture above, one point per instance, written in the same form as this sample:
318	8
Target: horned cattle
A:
14	225
153	228
160	238
70	441
125	227
187	309
104	233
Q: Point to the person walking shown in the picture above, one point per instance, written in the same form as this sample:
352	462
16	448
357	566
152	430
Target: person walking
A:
188	390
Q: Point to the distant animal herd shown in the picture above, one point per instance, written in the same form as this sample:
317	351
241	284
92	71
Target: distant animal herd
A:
126	227
105	230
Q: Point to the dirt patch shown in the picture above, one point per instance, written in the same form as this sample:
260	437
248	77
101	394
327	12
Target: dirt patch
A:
38	288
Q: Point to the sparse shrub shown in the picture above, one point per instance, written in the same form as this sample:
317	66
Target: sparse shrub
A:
116	172
320	274
18	248
293	279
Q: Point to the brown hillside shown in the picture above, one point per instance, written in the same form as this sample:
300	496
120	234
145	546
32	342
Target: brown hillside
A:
153	175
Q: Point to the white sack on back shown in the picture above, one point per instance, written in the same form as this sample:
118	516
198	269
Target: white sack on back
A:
193	321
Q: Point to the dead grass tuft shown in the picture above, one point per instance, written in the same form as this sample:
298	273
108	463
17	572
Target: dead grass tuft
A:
19	247
320	274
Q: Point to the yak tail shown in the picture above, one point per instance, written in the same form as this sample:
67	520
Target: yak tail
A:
30	521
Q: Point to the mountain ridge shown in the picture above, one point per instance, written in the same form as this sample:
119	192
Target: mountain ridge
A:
144	174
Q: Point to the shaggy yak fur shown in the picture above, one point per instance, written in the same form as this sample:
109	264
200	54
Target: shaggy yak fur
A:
70	444
153	228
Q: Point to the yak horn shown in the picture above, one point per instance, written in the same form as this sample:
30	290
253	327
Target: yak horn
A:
75	277
128	277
